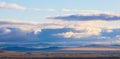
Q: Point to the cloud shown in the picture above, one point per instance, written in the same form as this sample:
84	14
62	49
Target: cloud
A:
80	29
4	5
83	11
75	34
74	10
89	28
113	33
80	17
44	10
89	12
18	31
4	31
69	33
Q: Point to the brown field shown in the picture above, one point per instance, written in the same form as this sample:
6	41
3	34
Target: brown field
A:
24	55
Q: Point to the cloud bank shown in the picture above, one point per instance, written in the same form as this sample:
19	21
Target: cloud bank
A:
89	32
80	17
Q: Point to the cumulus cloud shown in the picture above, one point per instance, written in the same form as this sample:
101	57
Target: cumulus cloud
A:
5	5
89	28
81	17
18	31
77	32
80	29
4	31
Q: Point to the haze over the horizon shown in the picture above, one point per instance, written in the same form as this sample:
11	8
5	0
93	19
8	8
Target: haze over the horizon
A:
59	22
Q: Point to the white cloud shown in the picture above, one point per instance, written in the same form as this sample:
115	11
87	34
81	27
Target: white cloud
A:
89	28
43	10
80	33
66	10
73	35
81	30
88	12
37	31
36	9
109	30
5	5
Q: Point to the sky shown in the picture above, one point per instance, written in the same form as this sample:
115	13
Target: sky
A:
59	22
38	10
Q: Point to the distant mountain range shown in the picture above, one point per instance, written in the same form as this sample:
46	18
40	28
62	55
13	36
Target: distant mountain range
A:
19	48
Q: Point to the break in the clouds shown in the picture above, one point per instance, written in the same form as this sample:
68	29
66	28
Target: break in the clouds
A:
88	17
5	5
92	32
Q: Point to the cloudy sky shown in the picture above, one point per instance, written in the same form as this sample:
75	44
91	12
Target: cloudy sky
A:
60	22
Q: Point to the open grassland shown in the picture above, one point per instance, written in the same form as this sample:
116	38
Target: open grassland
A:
23	55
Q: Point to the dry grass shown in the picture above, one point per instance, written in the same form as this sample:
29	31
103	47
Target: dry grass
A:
23	55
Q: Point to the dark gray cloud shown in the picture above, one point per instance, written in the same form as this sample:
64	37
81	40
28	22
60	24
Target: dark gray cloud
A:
106	17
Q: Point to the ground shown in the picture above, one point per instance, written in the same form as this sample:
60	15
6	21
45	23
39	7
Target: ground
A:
52	55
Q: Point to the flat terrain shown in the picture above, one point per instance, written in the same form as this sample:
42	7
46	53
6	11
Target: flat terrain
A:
24	55
93	49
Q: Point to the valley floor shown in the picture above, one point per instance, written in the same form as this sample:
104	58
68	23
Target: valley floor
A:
26	55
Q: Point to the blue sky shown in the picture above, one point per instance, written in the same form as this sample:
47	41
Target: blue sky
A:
30	15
